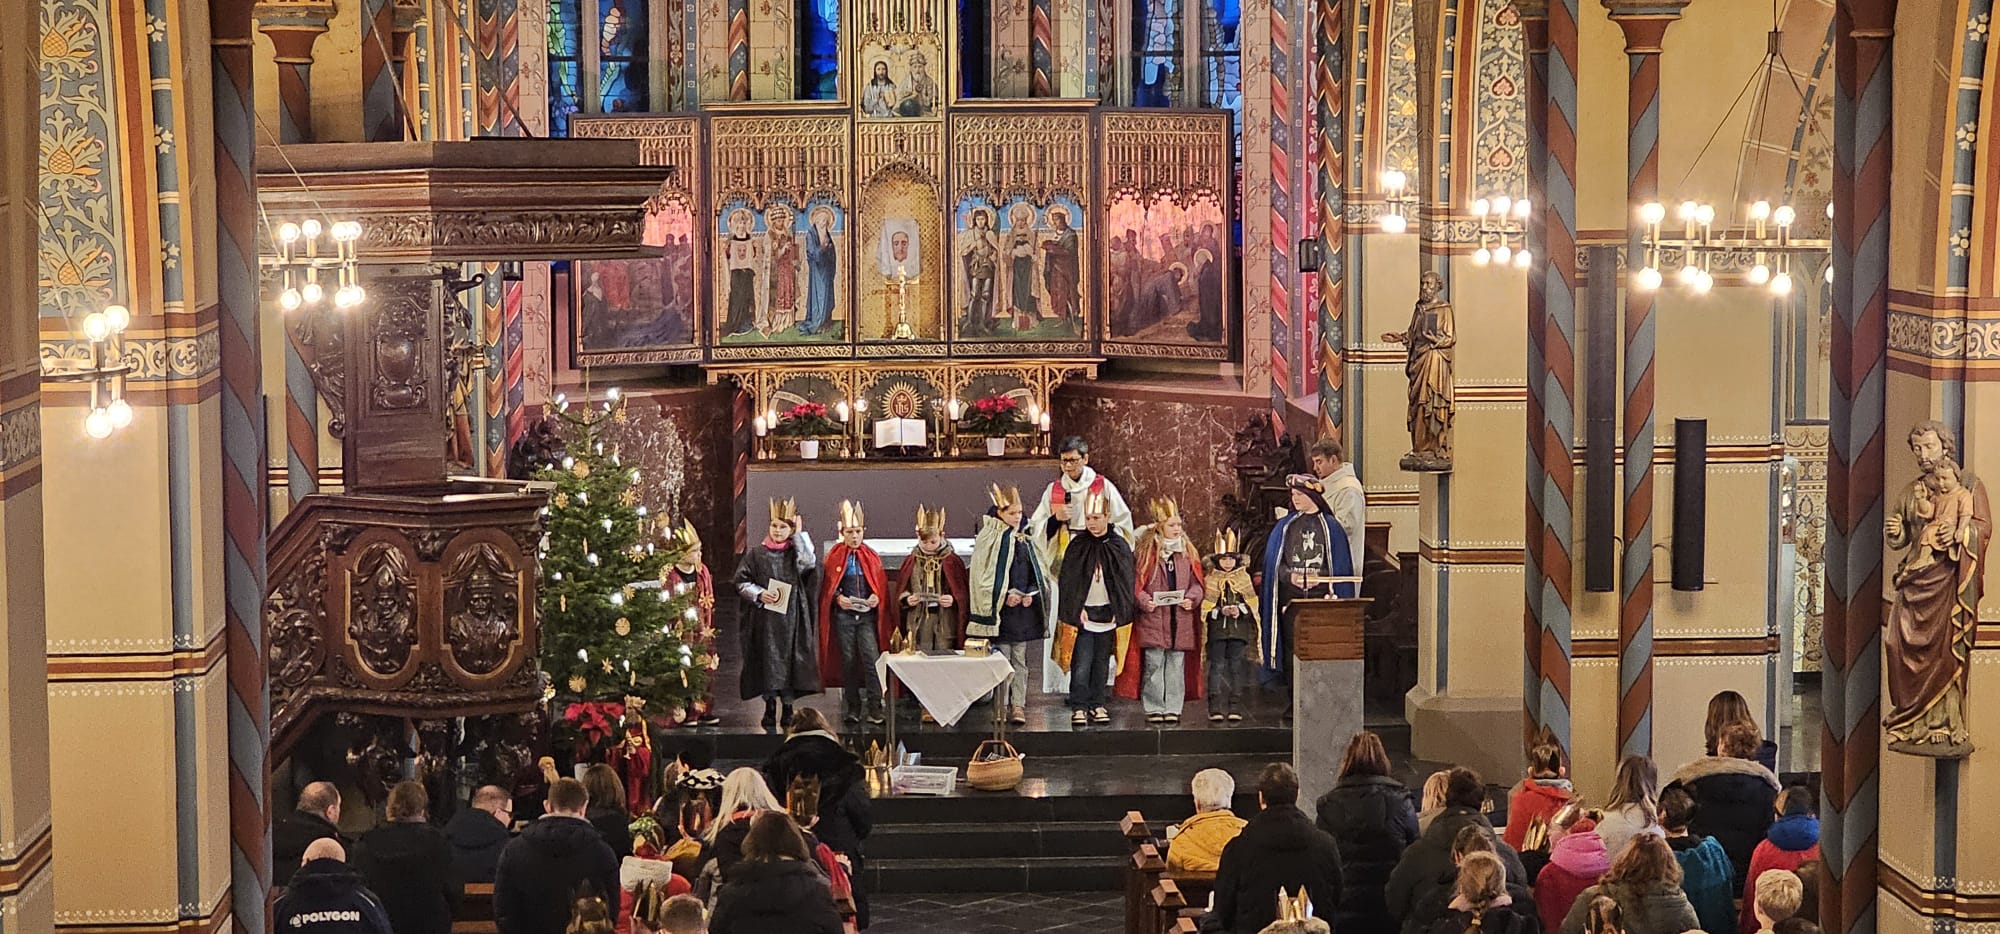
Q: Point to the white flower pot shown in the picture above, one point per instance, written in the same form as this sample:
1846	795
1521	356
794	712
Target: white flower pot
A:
809	449
996	447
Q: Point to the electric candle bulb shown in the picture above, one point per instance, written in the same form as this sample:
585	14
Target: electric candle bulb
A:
117	317
1502	204
1482	207
1781	284
1760	274
1394	223
1482	256
97	424
1503	255
1760	211
120	412
1653	212
1522	260
96	327
311	228
1647	279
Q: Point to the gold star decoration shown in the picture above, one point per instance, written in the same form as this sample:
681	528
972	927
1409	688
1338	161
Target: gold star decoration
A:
582	470
577	684
562	500
623	627
630	497
607	666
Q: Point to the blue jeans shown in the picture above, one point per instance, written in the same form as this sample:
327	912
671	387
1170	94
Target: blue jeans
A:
1090	669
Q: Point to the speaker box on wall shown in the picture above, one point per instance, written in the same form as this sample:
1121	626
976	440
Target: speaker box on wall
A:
1690	501
1600	432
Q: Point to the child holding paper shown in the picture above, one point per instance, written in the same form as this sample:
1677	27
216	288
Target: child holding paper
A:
1229	608
1169	625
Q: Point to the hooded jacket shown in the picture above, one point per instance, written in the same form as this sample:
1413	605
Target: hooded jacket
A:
1198	845
1372	819
325	897
844	817
1659	908
1705	875
476	839
290	835
1733	801
1576	862
782	897
1533	798
1426	871
1789	843
542	871
408	865
1278	848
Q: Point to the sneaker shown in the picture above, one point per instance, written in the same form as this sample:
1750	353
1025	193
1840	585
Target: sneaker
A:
1172	719
850	717
1215	718
876	718
1018	716
1156	718
1236	718
1079	718
710	720
1100	715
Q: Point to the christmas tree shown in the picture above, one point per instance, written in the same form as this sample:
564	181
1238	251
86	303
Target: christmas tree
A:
611	632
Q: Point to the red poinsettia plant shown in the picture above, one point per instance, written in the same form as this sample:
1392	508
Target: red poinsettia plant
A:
806	420
993	416
594	723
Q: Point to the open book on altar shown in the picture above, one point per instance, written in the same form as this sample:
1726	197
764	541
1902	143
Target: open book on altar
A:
902	433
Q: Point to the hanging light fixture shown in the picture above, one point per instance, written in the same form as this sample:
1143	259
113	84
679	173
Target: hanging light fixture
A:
1502	226
302	259
1767	236
104	370
1400	200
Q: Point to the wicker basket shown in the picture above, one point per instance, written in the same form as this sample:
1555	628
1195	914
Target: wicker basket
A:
1001	774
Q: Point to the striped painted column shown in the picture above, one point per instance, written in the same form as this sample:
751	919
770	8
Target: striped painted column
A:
1852	694
1287	83
739	50
381	116
1552	380
740	419
1644	25
1041	48
1330	174
1535	43
293	28
243	453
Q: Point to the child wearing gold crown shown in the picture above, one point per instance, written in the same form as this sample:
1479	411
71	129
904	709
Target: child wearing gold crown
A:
853	587
1229	607
1008	605
931	586
1097	595
780	633
1169	624
689	573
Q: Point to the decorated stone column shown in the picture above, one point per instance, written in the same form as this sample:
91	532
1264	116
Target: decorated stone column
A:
293	26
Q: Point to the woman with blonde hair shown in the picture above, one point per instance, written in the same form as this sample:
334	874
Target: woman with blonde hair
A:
744	796
1431	803
1645	882
1482	904
1633	807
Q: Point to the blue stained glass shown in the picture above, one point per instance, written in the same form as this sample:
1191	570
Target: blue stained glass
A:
565	78
819	44
622	78
1157	54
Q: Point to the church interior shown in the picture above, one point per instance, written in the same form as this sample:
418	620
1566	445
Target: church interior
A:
445	390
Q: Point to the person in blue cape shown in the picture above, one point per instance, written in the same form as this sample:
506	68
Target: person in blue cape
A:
1305	550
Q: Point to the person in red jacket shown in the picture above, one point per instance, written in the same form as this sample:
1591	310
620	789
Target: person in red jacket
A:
1539	795
854	629
1792	840
1577	860
646	875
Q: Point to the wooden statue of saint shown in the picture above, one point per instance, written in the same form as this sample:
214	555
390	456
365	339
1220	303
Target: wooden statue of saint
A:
1428	344
1945	521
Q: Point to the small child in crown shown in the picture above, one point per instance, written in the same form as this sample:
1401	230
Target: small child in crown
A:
932	587
691	573
1006	597
1229	606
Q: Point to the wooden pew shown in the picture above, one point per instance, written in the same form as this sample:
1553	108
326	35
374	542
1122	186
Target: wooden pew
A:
1143	867
475	910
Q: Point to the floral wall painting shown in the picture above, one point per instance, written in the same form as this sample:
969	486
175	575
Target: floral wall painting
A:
779	275
1166	264
1019	269
644	310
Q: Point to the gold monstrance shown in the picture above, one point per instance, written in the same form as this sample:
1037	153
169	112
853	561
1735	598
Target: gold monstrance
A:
904	280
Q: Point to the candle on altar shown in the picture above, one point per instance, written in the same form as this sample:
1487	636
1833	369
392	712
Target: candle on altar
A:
842	409
760	426
953	408
1045	422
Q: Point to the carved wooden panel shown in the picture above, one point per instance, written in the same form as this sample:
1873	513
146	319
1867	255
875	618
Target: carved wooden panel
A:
781	225
381	609
395	390
1022	233
1166	203
483	600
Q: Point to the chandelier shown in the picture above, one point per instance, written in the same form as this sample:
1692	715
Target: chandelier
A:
1502	227
104	370
301	259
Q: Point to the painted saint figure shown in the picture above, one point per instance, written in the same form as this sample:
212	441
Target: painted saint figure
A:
1062	272
980	252
822	263
1428	347
879	97
1944	519
743	257
784	250
1021	261
921	97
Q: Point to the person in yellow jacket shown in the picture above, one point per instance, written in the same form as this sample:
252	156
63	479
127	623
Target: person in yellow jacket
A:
1196	844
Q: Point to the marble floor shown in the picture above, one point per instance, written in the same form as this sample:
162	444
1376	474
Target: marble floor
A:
1050	913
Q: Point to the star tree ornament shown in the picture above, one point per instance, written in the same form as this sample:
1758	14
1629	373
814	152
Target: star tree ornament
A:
600	639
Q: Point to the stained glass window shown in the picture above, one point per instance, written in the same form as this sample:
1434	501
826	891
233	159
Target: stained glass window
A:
1222	61
819	50
1156	53
975	38
622	35
565	64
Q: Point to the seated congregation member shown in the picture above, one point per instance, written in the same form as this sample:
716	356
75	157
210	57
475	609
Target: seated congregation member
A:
690	778
777	888
1430	803
1229	610
1633	807
326	897
1645	881
854	625
478	833
1705	869
646	877
1279	848
1776	898
1540	794
681	914
1577	861
1795	925
557	858
1728	707
1434	901
1372	820
1481	904
1811	873
1792	840
316	816
1007	604
841	818
1195	845
607	808
1733	796
1430	858
744	796
1603	917
1165	634
1307	926
1098	592
408	864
